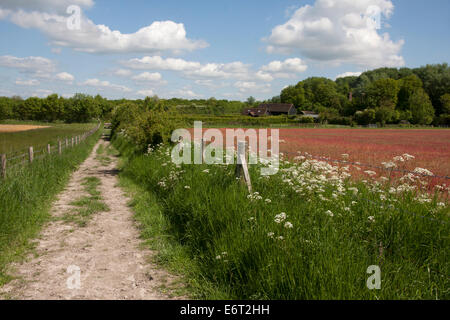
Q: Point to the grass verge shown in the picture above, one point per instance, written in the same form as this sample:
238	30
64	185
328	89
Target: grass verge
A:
26	195
158	234
309	232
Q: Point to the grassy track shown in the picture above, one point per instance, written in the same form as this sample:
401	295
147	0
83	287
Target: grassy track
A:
26	196
243	246
19	141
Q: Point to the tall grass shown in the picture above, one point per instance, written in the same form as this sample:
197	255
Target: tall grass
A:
26	195
337	232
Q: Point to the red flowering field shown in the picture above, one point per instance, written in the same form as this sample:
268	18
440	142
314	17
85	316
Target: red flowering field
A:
430	147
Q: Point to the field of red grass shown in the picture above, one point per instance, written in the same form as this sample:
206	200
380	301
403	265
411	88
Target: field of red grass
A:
431	148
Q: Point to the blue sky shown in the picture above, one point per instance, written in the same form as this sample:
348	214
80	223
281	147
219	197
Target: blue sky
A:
201	49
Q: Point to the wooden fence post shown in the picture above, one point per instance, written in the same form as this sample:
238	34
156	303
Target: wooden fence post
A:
241	166
67	143
203	150
3	165
49	150
72	142
30	154
59	147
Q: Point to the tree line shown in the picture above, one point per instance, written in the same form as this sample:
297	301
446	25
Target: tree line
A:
385	95
84	108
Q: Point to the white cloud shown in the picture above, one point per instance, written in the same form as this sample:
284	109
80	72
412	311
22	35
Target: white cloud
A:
295	65
157	37
122	73
105	85
186	93
348	74
64	76
35	65
339	31
250	86
264	76
44	5
31	82
146	93
148	77
196	70
209	83
159	63
42	93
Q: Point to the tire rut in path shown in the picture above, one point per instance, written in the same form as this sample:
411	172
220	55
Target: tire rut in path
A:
107	250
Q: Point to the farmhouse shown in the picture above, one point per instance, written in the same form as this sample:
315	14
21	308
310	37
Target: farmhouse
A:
255	112
271	109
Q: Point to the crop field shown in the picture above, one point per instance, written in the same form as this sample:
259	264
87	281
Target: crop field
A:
373	149
19	136
18	128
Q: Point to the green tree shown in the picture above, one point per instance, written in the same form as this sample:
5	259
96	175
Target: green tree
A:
81	108
365	117
251	101
408	86
445	101
436	82
382	92
6	108
52	108
30	109
422	110
322	92
293	94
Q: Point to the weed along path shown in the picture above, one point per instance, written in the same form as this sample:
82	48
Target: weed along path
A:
90	249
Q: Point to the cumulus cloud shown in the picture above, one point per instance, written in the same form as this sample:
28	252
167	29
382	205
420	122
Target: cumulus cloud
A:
212	84
146	93
190	69
44	5
250	86
295	65
148	77
339	31
122	73
104	85
42	93
159	63
201	71
186	93
348	74
157	37
35	65
64	76
31	82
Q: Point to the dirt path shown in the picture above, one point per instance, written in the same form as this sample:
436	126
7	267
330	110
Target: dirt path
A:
106	251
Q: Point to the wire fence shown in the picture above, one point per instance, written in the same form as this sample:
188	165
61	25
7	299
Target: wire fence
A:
16	159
